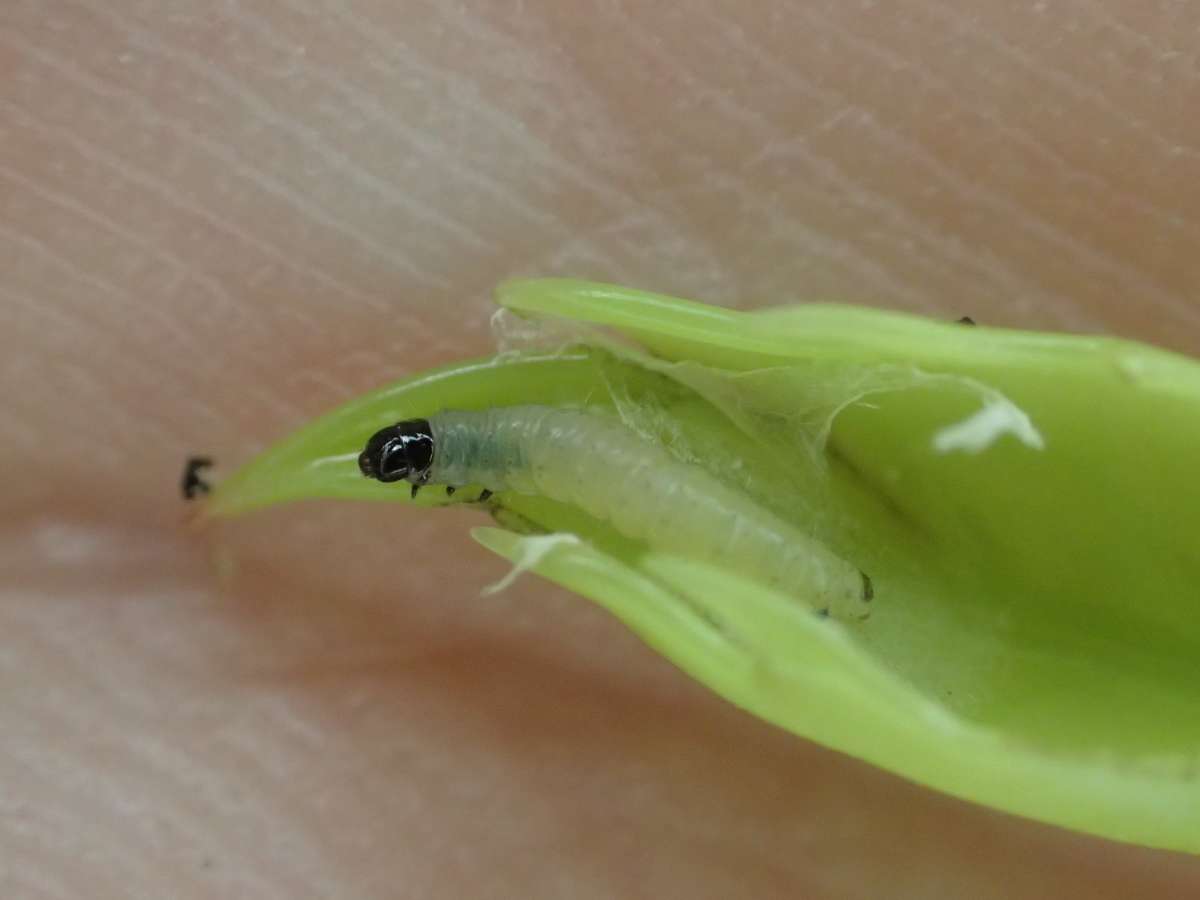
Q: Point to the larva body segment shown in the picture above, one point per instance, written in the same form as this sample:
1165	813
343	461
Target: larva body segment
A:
605	468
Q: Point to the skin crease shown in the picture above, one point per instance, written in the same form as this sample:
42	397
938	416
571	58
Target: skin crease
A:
220	220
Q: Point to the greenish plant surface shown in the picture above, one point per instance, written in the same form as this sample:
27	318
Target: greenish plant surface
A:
1027	505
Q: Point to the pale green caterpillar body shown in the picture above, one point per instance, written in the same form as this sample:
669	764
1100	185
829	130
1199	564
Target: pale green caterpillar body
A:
599	464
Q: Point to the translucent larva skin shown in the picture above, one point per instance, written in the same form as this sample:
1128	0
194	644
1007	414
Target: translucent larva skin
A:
605	468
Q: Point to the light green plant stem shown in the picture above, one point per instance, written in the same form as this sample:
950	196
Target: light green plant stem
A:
1027	505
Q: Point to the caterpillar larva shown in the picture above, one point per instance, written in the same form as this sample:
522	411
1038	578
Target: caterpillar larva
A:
605	468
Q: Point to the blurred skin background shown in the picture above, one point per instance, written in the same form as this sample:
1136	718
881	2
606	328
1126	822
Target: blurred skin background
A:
218	220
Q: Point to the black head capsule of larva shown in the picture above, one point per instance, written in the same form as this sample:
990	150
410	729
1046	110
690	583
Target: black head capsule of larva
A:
400	452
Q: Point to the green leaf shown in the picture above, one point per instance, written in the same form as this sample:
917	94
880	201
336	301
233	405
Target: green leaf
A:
1025	504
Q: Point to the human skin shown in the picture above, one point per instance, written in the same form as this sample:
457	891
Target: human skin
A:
220	220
